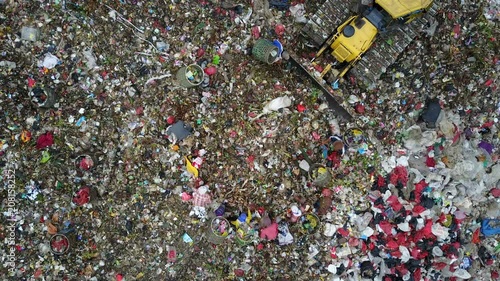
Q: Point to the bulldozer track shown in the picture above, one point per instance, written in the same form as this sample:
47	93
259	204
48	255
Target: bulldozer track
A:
387	48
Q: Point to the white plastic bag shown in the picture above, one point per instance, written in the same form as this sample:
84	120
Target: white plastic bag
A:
274	105
91	60
462	273
277	104
50	61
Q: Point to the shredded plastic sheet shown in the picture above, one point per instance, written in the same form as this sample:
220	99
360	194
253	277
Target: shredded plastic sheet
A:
492	10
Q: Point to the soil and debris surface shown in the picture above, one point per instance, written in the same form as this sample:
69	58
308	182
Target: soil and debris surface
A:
142	140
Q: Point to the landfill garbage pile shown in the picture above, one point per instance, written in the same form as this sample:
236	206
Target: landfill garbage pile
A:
144	140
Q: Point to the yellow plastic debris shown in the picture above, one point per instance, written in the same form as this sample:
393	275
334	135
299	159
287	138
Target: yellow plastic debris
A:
190	168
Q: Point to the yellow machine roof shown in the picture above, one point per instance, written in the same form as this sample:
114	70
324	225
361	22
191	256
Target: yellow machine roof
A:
400	8
349	48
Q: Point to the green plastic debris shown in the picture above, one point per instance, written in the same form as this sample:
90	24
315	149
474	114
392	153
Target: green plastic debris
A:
216	60
45	157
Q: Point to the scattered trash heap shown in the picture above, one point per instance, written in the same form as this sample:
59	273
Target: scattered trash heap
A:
146	140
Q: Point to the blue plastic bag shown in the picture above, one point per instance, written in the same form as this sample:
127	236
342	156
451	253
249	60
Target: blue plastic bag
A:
490	227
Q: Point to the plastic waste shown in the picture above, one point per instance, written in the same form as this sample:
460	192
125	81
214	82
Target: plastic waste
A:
329	230
8	64
179	131
462	273
277	104
284	235
490	227
298	12
91	60
431	113
304	165
274	105
49	61
30	34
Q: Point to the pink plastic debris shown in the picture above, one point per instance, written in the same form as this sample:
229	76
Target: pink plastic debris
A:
211	70
279	29
256	32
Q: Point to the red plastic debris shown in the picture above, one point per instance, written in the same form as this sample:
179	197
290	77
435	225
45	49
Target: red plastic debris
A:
211	70
170	120
316	136
318	68
386	227
279	29
456	30
186	197
270	232
200	52
250	160
488	124
439	265
394	203
353	242
399	174
301	108
359	108
256	32
139	110
381	181
475	237
82	196
172	255
392	245
44	140
60	245
326	192
38	273
353	80
31	82
430	162
364	248
86	163
344	232
239	272
333	253
495	192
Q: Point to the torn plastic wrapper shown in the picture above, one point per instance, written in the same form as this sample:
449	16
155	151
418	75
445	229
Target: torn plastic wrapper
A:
284	235
190	168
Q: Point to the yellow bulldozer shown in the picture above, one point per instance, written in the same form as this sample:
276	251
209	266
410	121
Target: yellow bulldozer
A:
355	36
354	45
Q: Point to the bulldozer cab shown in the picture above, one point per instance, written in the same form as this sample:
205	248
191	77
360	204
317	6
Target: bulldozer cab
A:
404	10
